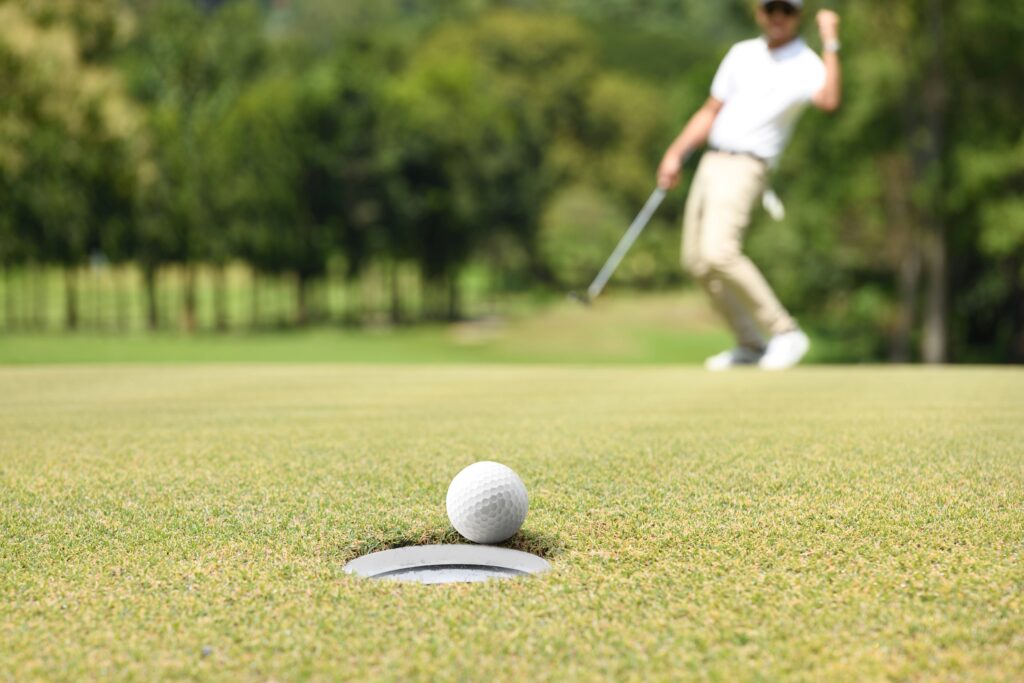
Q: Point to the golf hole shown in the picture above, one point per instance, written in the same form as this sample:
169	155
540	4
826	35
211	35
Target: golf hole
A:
447	564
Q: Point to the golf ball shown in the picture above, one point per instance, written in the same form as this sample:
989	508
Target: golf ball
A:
487	502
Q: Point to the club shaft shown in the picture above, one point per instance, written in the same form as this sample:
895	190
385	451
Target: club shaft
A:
638	225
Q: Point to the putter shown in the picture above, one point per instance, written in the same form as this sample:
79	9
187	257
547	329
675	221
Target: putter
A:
638	225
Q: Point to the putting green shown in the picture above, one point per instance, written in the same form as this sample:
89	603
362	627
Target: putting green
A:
192	521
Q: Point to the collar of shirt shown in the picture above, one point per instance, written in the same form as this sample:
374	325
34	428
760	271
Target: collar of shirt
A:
790	49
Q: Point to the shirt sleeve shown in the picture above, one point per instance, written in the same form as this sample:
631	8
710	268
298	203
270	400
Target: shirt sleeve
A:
724	84
815	77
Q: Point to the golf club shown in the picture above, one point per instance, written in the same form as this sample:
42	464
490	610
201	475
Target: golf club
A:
638	225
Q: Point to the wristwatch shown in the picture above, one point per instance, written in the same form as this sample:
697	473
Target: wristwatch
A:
832	45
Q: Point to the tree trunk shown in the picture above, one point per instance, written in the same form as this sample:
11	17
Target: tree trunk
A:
454	304
40	297
121	300
353	300
90	288
71	298
909	279
9	321
254	293
149	284
396	294
905	237
301	302
329	303
1017	315
220	297
18	299
429	309
935	344
282	299
190	298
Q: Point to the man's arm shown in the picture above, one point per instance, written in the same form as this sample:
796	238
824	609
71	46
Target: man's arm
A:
831	95
693	136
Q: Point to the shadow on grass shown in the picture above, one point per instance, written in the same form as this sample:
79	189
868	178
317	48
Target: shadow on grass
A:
536	542
527	540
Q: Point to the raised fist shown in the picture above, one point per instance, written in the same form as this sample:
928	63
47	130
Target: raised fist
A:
828	25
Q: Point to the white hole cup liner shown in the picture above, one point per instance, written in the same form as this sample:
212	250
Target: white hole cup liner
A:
447	564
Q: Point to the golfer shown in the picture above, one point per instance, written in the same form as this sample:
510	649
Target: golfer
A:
759	92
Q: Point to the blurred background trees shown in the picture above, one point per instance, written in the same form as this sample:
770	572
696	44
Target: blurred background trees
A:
211	165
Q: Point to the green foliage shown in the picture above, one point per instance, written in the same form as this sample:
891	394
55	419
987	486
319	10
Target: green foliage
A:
98	25
189	68
487	112
66	162
449	133
260	143
581	227
923	150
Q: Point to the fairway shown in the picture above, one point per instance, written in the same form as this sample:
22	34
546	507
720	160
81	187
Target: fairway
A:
192	521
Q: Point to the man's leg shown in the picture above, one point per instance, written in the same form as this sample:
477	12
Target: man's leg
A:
723	298
730	196
733	310
729	199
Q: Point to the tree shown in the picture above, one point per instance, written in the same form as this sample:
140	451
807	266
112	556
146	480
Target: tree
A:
889	246
986	179
485	124
188	68
66	159
282	141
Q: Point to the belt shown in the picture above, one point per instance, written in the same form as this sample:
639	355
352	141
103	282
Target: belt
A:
739	154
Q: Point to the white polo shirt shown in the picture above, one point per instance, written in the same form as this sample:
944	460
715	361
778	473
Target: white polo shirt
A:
763	92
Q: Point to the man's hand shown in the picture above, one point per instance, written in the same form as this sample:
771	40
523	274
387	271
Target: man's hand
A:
831	94
669	171
828	25
693	136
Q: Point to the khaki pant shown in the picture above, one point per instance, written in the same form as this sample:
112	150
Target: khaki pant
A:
718	209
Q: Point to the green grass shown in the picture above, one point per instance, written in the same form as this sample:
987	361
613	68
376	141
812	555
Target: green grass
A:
664	328
823	524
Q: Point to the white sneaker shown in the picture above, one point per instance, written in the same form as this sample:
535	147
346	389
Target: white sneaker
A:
785	350
732	358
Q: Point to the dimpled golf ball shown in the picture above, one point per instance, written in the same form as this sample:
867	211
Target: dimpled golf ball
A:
487	502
